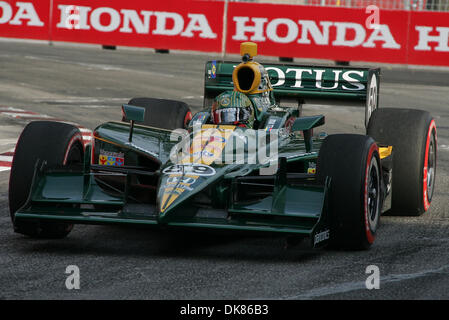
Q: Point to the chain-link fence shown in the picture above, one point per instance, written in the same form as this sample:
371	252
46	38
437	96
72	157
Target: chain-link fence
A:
418	5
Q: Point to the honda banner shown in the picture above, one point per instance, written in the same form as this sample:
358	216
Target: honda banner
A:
389	36
25	19
170	24
188	25
369	34
428	42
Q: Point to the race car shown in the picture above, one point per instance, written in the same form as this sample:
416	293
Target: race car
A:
248	161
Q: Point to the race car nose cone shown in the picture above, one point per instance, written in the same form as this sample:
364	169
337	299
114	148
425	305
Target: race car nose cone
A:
179	182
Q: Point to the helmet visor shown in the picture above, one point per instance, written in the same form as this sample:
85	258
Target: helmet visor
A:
232	115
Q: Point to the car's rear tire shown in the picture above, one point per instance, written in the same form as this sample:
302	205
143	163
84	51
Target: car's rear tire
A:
162	113
412	133
355	198
57	144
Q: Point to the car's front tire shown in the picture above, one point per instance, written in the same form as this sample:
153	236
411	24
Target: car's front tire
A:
57	144
355	200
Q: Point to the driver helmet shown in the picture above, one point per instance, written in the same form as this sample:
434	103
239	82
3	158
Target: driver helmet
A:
234	108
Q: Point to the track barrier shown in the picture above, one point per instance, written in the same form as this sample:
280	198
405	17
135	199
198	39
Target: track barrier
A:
401	34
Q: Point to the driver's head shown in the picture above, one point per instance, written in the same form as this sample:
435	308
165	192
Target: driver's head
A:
233	107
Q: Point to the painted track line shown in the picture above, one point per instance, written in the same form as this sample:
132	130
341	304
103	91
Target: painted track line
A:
21	114
361	285
6	161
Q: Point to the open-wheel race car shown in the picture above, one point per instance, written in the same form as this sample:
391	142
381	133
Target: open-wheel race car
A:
248	161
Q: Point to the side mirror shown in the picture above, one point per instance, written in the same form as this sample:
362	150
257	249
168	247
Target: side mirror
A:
132	114
306	124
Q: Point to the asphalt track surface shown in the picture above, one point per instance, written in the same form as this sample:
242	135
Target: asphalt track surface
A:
87	85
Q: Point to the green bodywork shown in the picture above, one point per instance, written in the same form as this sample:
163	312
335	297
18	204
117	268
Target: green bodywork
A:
149	188
78	196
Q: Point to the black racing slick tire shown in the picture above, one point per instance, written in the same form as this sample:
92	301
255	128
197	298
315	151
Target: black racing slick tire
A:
57	144
162	113
355	198
413	135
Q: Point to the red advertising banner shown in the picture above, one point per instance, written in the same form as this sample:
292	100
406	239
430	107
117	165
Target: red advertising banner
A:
335	33
24	19
428	42
321	33
170	24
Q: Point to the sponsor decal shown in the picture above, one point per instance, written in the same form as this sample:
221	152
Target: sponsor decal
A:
175	185
213	70
312	168
190	168
184	181
350	80
261	102
321	236
199	120
273	123
108	158
225	101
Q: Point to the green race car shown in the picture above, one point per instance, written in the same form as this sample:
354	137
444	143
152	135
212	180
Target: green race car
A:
249	161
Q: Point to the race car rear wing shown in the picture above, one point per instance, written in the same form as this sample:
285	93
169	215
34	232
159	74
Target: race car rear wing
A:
305	84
